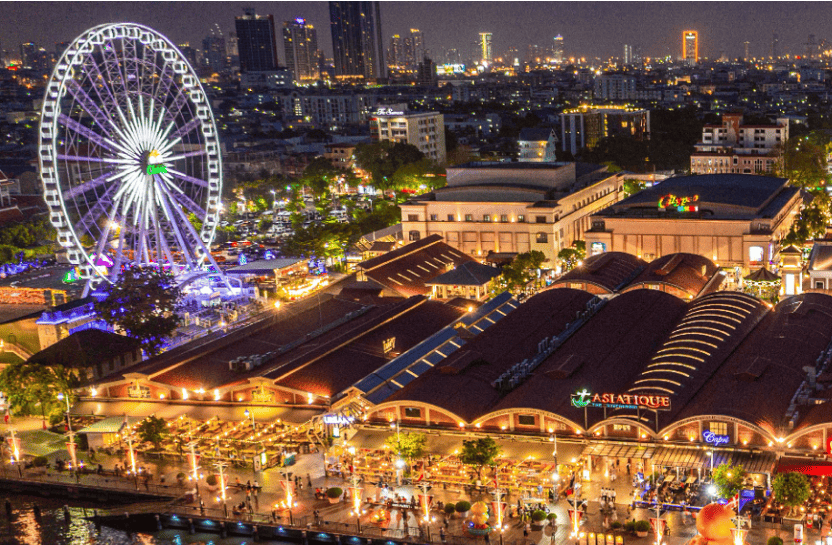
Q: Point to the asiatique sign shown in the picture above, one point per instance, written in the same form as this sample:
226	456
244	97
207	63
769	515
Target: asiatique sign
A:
585	399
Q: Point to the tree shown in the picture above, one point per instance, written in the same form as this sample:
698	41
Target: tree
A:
142	302
631	187
728	480
33	388
152	430
570	257
804	160
517	274
792	489
382	159
407	445
811	222
479	453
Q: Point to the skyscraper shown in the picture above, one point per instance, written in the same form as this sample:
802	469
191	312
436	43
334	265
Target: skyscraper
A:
27	55
557	49
690	46
395	55
356	40
485	47
414	49
300	44
775	46
188	52
213	51
628	54
256	42
747	57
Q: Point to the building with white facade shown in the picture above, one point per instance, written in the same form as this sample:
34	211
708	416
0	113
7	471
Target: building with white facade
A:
615	87
732	147
425	130
537	145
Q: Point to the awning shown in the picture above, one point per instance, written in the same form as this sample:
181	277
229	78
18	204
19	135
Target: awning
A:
40	443
446	444
686	458
169	411
682	458
112	424
613	450
806	466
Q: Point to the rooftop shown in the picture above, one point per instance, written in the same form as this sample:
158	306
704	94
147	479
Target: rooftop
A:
607	270
469	273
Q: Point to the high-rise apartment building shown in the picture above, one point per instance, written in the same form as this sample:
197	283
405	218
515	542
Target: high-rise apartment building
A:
775	46
356	40
734	147
256	41
214	55
395	55
690	46
584	126
557	50
188	52
27	55
300	44
746	57
425	130
414	48
628	54
485	47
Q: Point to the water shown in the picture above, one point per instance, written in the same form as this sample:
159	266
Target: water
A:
52	529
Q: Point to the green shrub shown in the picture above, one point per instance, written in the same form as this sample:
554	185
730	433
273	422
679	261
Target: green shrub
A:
181	476
450	508
641	526
462	506
212	480
630	526
551	517
774	540
616	525
40	461
334	492
538	515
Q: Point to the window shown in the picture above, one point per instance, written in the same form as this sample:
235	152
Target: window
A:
540	219
451	217
542	238
112	365
434	217
719	428
504	218
469	217
521	218
412	412
621	427
486	217
414	235
819	285
525	419
755	254
413	217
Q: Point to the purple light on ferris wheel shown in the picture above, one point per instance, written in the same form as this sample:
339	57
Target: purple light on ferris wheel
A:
103	261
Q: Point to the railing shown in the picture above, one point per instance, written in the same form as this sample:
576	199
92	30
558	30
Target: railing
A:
91	480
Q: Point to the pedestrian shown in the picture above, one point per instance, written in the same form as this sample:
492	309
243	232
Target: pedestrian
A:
526	530
487	541
309	481
628	467
256	488
442	534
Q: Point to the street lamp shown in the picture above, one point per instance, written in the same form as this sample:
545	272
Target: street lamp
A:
399	466
71	444
220	467
251	414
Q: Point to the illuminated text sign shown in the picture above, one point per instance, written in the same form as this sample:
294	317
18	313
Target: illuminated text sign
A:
388	111
585	399
681	204
338	419
156	169
714	439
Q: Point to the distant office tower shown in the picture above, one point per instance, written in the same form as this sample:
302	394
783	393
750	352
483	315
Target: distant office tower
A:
213	50
453	56
27	55
628	54
356	40
256	41
395	55
485	47
557	49
414	49
300	44
188	52
690	46
811	47
746	57
775	46
60	47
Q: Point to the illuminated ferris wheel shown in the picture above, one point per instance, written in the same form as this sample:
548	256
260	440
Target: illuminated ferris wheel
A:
128	154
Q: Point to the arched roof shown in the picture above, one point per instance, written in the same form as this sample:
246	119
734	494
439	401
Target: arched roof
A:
687	272
608	270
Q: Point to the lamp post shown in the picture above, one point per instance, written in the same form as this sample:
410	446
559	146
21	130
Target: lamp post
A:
251	415
71	444
221	467
194	472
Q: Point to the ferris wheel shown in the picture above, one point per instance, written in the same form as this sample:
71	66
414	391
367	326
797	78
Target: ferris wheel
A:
129	155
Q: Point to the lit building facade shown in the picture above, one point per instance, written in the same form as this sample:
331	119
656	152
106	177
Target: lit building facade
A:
615	87
300	44
735	220
733	147
690	46
485	47
425	130
512	207
256	42
557	50
583	127
356	41
537	145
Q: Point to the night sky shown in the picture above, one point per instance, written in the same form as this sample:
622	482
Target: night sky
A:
591	29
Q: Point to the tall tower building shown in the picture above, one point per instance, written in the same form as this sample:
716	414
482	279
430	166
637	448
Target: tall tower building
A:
557	49
690	46
485	47
356	40
628	54
188	52
213	50
27	55
775	46
414	48
747	57
256	42
300	44
395	55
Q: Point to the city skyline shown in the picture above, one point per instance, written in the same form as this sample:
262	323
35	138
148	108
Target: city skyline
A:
723	28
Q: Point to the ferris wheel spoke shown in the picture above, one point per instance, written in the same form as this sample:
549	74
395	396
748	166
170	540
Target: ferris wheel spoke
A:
90	134
186	222
172	218
86	186
186	178
109	160
94	74
186	155
82	226
89	106
111	65
186	128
